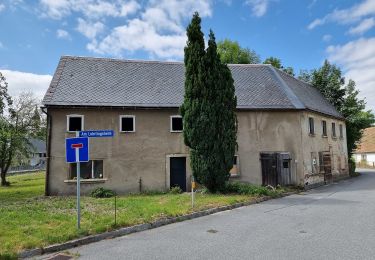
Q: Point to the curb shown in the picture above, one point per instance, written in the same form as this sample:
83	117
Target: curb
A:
137	228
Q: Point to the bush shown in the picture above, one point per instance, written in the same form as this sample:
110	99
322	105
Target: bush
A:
175	190
352	167
248	189
102	193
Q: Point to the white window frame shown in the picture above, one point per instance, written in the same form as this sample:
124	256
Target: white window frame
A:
75	115
126	116
170	124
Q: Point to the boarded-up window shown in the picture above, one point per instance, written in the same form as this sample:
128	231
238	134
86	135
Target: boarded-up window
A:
341	131
311	126
334	130
324	128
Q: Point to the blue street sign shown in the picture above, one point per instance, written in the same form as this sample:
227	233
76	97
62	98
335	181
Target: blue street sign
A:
77	149
97	133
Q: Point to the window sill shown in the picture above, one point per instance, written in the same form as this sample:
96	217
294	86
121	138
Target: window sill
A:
84	181
324	136
312	135
334	138
234	175
176	131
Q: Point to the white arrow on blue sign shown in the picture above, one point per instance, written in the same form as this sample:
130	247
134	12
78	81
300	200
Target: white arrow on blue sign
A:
77	149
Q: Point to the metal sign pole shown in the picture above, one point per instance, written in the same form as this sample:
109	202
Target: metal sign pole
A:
192	191
78	187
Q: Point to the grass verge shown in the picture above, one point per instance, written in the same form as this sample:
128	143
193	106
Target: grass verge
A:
30	220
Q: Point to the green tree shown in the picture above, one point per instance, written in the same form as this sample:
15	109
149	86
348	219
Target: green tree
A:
208	110
232	53
15	130
329	81
276	62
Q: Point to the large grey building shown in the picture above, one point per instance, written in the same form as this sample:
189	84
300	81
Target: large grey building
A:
288	133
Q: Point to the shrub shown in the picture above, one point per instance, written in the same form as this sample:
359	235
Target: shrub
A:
352	167
102	193
175	190
247	189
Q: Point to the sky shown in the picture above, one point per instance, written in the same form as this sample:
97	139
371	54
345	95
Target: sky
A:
302	33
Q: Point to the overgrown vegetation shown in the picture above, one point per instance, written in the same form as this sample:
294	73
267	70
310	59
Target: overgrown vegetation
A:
102	193
251	189
30	220
208	110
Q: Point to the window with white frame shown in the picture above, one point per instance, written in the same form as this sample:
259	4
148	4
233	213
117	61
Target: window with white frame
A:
235	171
176	124
74	123
89	170
127	123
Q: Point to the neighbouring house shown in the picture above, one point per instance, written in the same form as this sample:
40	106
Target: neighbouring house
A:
288	133
35	160
38	155
364	155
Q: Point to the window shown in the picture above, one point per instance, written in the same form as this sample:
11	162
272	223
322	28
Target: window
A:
127	124
89	170
341	131
334	130
324	128
74	123
176	124
235	171
311	126
285	164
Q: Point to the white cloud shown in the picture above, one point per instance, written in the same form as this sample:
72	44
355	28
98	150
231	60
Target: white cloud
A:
346	16
159	30
258	7
327	37
2	7
89	29
62	34
93	9
22	81
358	61
364	26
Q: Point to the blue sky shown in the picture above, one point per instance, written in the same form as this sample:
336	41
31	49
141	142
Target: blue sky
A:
302	33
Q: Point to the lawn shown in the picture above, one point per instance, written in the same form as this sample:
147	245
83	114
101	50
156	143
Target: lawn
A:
30	220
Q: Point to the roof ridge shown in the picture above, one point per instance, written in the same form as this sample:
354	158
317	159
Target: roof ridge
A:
297	103
119	60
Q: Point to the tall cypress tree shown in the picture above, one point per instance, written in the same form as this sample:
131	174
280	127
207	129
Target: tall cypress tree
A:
208	110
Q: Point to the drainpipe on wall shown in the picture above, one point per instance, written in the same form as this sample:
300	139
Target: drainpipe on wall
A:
49	132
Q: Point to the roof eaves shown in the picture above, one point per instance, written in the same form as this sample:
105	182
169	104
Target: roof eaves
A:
55	80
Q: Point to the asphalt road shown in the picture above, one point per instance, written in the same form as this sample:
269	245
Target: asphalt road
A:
331	222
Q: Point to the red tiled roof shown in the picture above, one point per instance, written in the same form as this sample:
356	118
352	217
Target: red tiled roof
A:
367	143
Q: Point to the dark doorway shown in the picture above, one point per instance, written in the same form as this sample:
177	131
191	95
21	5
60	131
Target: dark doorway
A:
269	169
178	172
276	168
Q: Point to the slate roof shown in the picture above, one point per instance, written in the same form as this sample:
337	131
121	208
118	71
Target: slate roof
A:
367	143
86	81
